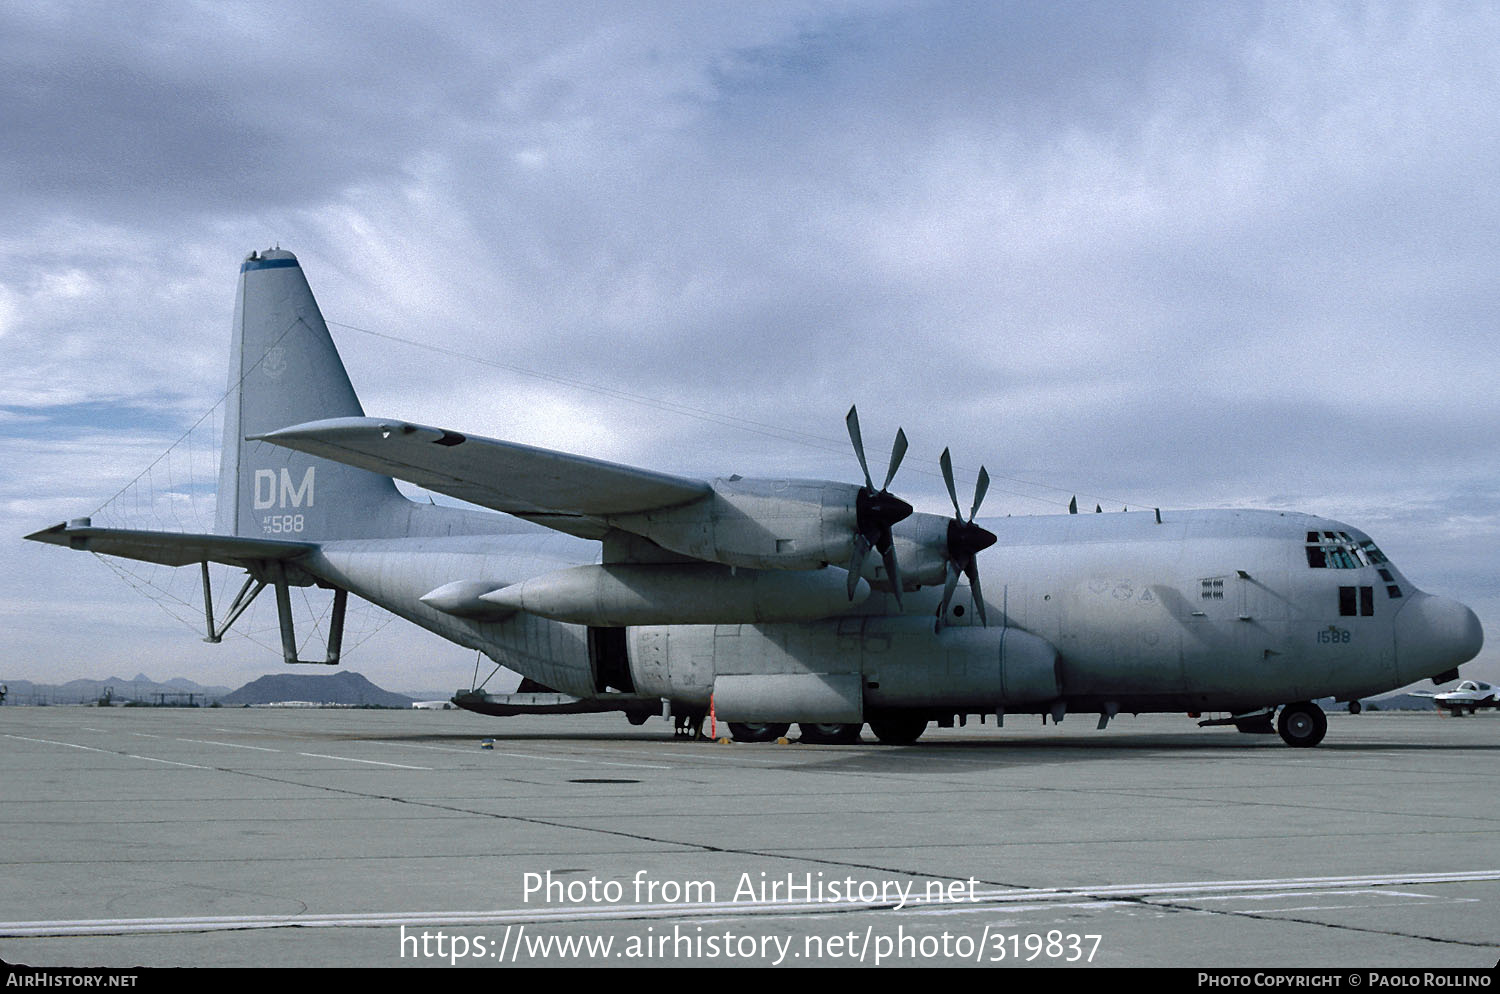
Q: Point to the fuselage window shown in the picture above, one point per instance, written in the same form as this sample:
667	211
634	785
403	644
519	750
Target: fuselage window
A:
1356	601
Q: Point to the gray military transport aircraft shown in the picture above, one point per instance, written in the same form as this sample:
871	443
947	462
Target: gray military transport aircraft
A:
775	601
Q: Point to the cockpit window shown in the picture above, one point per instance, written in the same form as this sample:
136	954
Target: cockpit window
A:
1338	550
1333	556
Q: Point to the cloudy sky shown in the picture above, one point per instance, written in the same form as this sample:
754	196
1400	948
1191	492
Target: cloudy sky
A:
1155	254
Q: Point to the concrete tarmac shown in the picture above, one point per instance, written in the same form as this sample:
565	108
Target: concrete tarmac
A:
240	837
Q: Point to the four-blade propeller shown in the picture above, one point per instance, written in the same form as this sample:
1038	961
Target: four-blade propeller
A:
876	511
965	541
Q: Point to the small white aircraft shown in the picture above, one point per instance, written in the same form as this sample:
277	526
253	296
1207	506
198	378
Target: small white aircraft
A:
774	601
1470	696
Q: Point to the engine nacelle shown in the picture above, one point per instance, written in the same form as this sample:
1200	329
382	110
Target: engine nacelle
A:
921	543
759	524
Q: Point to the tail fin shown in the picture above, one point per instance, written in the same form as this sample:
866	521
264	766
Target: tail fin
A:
284	370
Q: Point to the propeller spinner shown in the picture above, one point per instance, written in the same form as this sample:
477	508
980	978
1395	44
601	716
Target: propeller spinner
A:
965	541
876	511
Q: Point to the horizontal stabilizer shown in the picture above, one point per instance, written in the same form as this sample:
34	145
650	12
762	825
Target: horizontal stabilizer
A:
169	548
504	476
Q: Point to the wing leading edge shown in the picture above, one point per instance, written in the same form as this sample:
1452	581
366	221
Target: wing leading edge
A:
540	484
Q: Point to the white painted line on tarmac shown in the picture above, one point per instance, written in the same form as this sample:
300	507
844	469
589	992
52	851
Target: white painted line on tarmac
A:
228	745
372	762
1010	900
525	755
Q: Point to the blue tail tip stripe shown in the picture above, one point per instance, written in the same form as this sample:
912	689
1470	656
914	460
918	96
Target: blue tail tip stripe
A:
266	264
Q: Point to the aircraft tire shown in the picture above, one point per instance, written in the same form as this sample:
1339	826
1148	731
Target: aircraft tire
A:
830	734
757	731
898	729
1302	724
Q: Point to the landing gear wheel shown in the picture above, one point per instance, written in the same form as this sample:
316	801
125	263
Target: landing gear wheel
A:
830	734
1302	724
757	731
898	729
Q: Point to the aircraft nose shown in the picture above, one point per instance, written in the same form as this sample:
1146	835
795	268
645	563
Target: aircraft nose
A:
1433	635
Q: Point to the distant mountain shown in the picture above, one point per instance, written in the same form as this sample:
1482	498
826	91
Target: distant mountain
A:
1402	702
345	688
1395	702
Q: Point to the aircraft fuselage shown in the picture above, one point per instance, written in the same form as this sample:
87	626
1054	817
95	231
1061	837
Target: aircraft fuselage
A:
1204	611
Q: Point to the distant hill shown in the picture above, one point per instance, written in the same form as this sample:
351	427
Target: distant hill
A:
1402	702
1394	702
344	688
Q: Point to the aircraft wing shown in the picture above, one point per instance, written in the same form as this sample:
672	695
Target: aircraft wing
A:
169	548
541	484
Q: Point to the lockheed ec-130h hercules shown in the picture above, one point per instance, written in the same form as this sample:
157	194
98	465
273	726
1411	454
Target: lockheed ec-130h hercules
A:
774	601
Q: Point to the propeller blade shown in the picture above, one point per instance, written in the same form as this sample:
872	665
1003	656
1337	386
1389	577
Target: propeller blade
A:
892	571
980	489
852	420
857	562
898	452
972	572
947	463
948	588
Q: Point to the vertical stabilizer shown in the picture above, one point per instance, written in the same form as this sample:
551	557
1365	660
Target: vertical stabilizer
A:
284	370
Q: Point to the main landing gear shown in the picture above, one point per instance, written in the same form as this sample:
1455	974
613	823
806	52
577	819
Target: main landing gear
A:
757	731
830	734
1302	724
898	729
